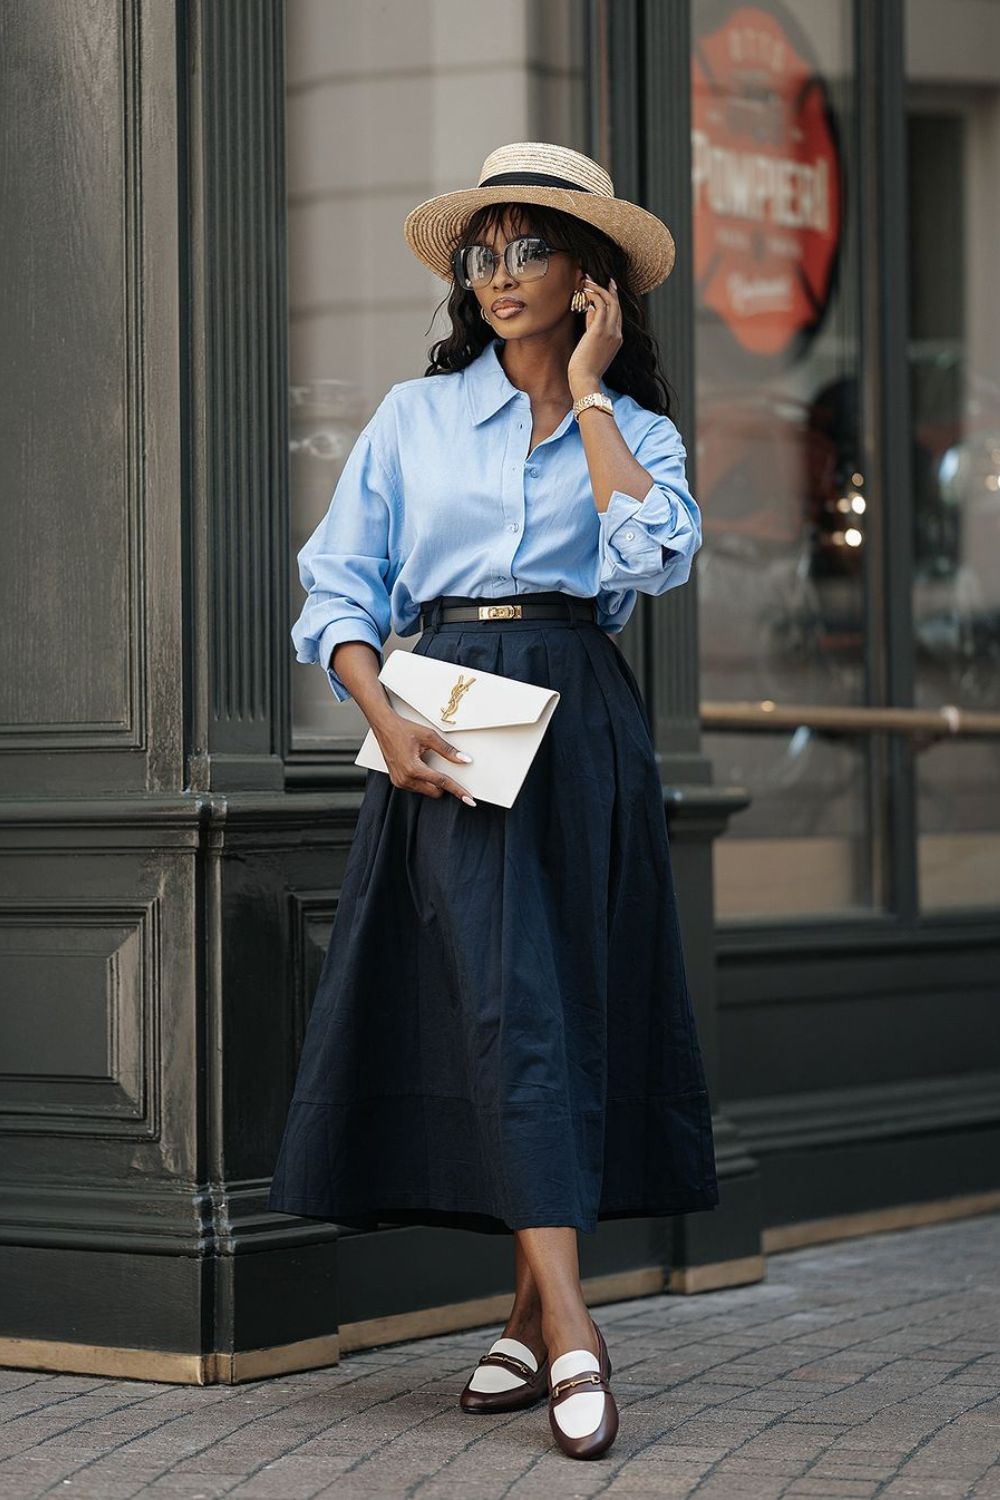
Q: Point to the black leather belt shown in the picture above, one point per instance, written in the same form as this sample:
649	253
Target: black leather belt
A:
555	606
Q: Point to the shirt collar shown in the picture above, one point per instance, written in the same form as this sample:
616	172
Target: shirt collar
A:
487	386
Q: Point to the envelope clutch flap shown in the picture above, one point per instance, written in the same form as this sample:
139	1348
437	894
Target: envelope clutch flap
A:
456	697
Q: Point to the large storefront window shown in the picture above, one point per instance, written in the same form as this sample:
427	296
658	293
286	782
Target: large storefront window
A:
953	110
388	104
782	573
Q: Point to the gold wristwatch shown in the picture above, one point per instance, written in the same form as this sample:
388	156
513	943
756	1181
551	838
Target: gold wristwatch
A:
593	398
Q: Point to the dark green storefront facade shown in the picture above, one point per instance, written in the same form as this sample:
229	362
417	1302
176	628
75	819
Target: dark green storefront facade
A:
172	849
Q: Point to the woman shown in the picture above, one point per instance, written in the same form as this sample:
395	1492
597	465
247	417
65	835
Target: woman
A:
502	1037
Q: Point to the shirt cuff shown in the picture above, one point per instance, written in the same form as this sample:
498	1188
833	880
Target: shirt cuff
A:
345	630
627	539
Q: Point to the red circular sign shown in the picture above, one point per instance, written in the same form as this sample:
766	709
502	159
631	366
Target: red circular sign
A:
766	182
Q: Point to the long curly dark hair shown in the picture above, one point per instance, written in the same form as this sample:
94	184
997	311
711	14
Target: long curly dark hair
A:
634	371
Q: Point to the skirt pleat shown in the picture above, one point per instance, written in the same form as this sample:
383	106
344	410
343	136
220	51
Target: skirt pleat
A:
502	1035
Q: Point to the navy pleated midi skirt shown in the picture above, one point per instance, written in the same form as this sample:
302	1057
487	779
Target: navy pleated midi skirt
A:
502	1034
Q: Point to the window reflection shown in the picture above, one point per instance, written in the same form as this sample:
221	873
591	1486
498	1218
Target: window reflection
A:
389	103
779	443
953	65
325	417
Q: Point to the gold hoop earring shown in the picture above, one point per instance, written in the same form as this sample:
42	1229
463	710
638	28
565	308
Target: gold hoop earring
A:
578	302
484	314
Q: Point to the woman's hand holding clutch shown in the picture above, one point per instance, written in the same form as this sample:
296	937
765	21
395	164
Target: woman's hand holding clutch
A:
402	743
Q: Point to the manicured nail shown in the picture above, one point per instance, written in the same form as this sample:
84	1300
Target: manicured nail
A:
469	801
462	755
613	282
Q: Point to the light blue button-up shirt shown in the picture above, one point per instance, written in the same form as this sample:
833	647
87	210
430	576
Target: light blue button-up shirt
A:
439	495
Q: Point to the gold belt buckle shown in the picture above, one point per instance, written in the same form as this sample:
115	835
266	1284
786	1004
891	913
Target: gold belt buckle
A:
499	611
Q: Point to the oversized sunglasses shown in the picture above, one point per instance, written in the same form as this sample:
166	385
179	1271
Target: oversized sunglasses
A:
526	259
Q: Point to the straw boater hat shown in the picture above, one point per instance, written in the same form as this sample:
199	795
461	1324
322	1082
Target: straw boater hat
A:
537	172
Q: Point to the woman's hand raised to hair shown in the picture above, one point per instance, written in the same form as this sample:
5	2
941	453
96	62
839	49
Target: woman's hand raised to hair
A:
600	342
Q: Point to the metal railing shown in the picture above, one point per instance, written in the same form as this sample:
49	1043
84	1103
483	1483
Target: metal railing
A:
934	723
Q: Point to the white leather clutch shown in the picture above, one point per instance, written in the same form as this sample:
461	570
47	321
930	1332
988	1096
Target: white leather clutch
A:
497	720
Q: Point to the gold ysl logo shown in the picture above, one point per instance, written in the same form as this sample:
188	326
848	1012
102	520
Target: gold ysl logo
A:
461	687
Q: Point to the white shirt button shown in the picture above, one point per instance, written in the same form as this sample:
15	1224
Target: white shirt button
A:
533	471
513	526
629	535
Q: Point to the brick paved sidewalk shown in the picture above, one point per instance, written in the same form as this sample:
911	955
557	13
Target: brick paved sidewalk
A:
870	1367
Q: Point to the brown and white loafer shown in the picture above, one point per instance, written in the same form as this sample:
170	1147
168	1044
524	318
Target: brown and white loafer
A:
583	1413
507	1378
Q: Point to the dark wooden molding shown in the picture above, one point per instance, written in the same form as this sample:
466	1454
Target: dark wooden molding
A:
237	369
885	316
664	88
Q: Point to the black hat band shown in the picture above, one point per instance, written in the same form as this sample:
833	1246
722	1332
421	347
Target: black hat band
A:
533	179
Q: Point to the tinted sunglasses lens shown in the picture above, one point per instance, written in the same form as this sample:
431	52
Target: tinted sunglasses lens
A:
474	265
527	258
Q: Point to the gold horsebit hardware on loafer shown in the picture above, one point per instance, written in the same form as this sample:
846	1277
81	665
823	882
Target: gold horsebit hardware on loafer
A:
509	1359
500	612
592	1379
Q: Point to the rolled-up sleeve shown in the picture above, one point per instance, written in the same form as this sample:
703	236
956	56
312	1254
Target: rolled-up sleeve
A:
344	566
649	544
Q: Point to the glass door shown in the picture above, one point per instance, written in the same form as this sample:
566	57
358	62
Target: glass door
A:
784	573
953	204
